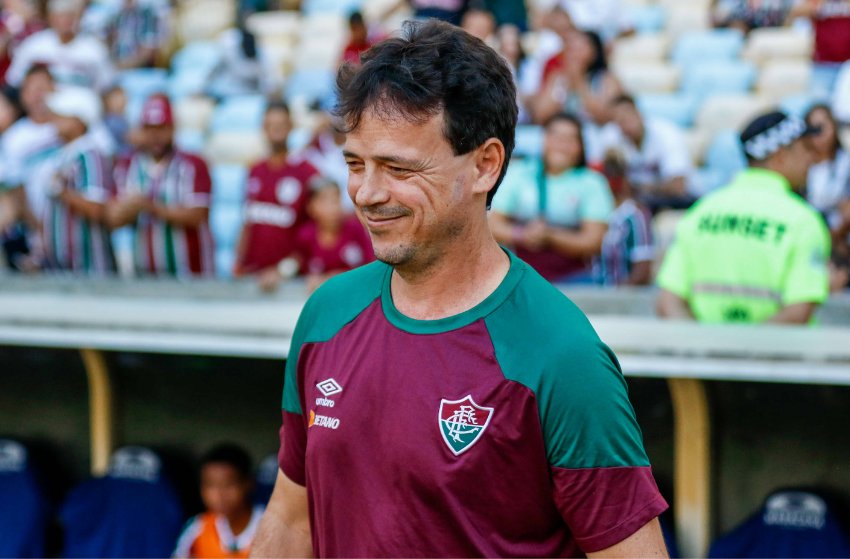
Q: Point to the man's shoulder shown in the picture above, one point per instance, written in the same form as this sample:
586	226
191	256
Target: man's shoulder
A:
40	39
340	300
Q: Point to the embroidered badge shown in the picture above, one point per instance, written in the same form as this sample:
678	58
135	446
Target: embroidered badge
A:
462	423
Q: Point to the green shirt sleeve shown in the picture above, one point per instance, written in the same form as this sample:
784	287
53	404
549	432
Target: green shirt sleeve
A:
597	204
807	275
673	275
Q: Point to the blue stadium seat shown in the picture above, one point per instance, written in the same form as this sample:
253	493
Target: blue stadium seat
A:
676	107
143	82
790	524
189	140
704	79
299	138
23	507
725	156
311	85
196	56
342	7
239	113
187	82
131	512
799	105
646	19
266	477
529	141
704	46
229	181
226	222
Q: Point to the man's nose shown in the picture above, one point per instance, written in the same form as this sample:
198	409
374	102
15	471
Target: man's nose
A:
369	188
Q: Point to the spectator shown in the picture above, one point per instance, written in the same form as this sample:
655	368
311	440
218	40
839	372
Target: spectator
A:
74	231
115	119
73	59
275	206
510	47
554	212
26	148
244	69
509	12
332	241
480	23
627	249
18	20
134	36
831	20
324	152
165	195
752	251
227	527
578	80
828	186
358	42
657	158
747	15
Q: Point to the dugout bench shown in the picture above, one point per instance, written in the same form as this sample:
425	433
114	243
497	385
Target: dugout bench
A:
232	320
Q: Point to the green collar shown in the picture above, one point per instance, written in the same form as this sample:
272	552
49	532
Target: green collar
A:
762	178
482	309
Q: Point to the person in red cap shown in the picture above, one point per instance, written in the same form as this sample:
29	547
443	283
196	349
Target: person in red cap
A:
165	194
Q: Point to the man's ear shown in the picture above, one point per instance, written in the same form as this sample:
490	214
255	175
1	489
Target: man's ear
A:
489	159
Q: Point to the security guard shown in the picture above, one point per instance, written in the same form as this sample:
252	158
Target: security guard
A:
753	251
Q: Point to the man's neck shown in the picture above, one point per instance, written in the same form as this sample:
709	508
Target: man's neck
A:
463	277
277	159
240	520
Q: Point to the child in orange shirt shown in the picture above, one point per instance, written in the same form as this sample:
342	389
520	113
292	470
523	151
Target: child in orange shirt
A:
227	528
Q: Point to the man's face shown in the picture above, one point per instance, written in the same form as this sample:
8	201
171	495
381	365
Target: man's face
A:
562	145
824	141
627	117
158	140
65	23
277	125
411	191
34	91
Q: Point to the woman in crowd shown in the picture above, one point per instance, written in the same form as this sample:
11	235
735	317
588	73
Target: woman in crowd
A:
554	212
828	187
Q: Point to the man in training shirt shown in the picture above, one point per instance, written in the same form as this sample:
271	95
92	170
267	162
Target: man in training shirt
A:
754	250
165	194
447	400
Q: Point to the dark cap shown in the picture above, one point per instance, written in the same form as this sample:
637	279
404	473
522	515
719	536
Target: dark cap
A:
771	132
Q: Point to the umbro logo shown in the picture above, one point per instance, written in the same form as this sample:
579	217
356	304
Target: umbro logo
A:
329	387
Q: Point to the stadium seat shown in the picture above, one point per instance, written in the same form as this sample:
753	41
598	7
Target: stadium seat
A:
225	258
675	107
722	112
239	113
198	56
719	44
229	182
646	18
790	524
798	105
780	78
190	140
706	79
642	47
697	142
266	477
188	83
203	19
143	82
275	24
686	17
724	158
310	86
23	507
782	43
640	77
226	222
299	138
243	148
342	7
529	141
131	512
193	112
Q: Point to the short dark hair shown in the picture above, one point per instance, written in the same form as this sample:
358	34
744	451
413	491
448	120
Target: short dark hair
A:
277	106
431	67
572	119
231	454
355	18
836	138
599	62
38	68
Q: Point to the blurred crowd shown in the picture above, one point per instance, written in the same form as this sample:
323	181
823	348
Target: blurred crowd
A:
100	178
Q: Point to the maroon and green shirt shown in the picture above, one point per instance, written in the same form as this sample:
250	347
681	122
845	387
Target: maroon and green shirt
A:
503	431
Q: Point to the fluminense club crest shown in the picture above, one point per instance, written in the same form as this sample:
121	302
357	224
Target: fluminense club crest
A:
462	422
